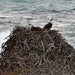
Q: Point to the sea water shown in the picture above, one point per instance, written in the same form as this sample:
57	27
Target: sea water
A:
38	13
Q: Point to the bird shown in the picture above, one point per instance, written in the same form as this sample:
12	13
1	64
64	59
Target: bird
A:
34	28
48	26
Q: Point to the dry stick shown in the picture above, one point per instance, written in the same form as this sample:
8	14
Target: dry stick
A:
43	45
43	49
48	50
63	72
44	53
39	59
38	37
29	48
49	36
36	62
36	47
25	43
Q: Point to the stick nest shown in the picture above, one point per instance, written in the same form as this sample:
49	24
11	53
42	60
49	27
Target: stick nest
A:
36	53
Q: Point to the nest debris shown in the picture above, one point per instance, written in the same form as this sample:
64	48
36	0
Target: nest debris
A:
28	52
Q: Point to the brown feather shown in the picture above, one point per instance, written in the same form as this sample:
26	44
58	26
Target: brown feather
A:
47	26
36	28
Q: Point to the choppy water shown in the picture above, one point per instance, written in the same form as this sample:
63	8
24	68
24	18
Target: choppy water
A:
38	12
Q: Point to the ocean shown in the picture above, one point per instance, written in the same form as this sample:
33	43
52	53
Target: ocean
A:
38	13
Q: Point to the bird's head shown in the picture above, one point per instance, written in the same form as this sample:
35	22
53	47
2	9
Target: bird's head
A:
30	25
51	19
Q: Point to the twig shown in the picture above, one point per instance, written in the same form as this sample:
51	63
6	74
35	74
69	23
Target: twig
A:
43	45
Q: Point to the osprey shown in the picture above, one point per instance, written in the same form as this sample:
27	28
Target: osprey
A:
48	25
34	28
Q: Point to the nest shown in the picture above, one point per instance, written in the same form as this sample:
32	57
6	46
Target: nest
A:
28	52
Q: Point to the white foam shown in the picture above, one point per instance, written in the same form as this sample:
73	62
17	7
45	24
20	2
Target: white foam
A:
3	35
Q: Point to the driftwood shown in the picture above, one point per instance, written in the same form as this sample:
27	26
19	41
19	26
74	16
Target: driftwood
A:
28	52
